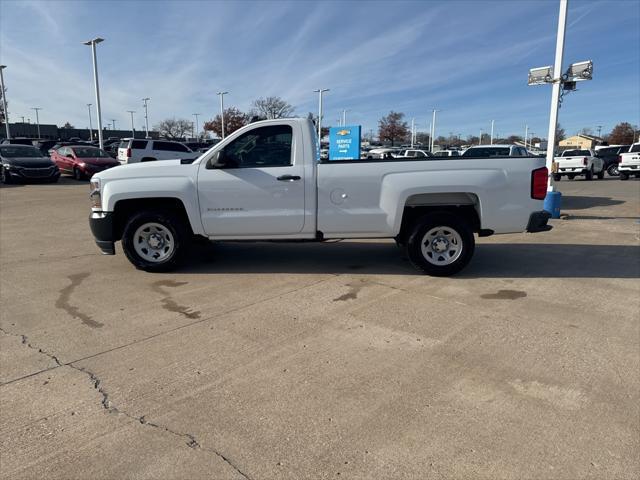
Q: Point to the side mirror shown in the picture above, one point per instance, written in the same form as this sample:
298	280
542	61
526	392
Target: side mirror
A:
218	160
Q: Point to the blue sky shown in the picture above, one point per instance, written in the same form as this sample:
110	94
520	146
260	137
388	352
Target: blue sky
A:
467	58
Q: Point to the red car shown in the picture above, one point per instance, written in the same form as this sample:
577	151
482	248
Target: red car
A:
82	161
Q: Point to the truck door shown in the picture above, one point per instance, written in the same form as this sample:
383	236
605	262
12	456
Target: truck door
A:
255	185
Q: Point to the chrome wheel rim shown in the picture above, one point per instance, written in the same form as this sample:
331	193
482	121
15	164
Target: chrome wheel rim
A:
154	242
441	246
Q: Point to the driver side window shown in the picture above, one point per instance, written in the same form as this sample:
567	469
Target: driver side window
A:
261	147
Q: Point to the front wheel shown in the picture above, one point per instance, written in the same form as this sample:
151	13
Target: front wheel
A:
624	176
441	244
613	170
155	241
4	176
77	174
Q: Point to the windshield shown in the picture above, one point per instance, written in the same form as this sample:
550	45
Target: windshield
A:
487	152
22	151
577	153
90	152
635	148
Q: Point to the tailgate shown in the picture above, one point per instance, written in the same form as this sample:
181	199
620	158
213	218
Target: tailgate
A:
630	159
122	155
570	162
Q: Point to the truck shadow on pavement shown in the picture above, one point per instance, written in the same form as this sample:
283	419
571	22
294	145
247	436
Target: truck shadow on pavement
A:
507	260
577	202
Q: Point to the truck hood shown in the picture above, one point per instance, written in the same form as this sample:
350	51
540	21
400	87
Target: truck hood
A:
160	168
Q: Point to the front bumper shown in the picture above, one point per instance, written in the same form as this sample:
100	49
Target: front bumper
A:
101	224
33	174
538	222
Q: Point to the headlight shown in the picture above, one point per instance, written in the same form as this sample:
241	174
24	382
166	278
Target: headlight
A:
94	194
82	164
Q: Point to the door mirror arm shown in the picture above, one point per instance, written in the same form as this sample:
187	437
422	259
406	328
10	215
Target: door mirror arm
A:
217	161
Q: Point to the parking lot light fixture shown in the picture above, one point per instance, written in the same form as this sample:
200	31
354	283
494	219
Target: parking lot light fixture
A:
526	135
133	130
222	94
90	124
492	122
93	44
480	139
320	91
4	102
433	129
197	125
146	116
37	109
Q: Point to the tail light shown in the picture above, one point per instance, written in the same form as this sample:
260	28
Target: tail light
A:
584	161
128	153
539	179
619	159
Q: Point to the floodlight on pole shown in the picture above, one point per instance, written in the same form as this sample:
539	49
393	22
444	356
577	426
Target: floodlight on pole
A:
133	130
146	116
222	94
113	121
90	124
599	127
93	44
37	109
320	91
3	91
197	125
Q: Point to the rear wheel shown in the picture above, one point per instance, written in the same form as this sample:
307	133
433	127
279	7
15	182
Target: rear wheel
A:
77	174
613	170
557	177
601	174
440	244
155	241
624	176
589	174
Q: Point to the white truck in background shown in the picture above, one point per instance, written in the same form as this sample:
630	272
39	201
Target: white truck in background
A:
265	182
630	162
578	162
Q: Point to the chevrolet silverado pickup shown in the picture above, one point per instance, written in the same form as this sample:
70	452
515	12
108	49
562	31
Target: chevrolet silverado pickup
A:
266	182
578	162
630	162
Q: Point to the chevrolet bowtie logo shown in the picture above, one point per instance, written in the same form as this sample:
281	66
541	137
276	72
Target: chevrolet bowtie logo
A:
344	132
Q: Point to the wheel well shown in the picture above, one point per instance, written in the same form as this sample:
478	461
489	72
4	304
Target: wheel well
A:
124	209
412	213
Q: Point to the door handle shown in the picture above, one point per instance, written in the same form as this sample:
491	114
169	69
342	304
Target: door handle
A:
288	178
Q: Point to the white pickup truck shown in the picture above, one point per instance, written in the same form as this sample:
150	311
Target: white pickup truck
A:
578	162
630	162
266	182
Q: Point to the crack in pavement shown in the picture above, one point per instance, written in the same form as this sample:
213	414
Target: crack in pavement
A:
107	405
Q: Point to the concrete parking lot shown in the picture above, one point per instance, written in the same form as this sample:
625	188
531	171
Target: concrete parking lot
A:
332	360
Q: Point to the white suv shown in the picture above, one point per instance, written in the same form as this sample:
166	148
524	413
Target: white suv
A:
134	151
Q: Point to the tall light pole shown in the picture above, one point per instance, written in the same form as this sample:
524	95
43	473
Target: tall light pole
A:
113	121
491	132
557	85
599	130
37	109
146	116
320	91
344	117
433	129
197	126
93	44
133	130
4	102
480	140
90	124
413	127
526	135
222	94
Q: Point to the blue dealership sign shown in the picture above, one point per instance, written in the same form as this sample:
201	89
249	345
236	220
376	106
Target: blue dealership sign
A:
344	143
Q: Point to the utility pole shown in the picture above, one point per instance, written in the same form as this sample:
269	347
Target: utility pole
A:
93	44
90	124
491	132
320	91
197	125
146	116
4	103
557	85
222	94
599	130
37	109
133	130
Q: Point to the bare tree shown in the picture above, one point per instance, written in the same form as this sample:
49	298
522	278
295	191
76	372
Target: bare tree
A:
272	107
560	135
68	125
233	120
622	134
586	131
173	128
392	128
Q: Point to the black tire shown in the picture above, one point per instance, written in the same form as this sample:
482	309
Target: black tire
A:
6	179
171	222
613	170
571	176
55	179
601	174
77	174
557	177
448	222
589	175
624	176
